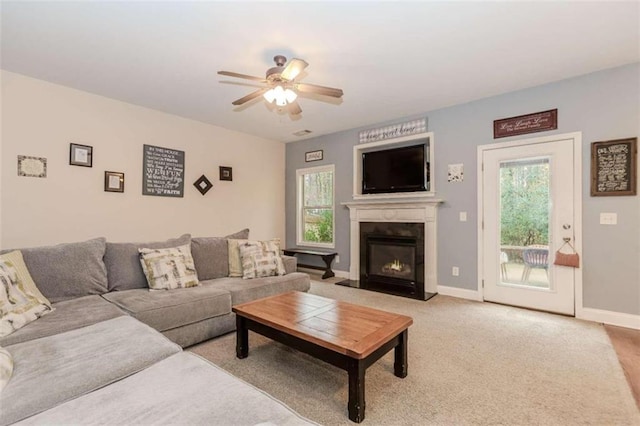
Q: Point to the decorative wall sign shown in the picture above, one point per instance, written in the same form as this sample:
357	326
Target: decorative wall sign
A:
313	156
394	131
455	173
613	167
80	155
32	166
226	173
203	184
162	172
113	182
529	123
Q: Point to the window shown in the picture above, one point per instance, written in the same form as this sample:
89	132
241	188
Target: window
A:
315	206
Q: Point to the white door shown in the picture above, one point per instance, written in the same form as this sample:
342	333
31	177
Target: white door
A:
529	201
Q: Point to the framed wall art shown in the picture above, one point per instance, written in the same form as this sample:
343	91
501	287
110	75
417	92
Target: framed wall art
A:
80	155
226	173
313	156
29	166
613	167
203	184
113	182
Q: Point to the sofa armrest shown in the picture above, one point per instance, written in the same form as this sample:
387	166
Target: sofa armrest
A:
290	263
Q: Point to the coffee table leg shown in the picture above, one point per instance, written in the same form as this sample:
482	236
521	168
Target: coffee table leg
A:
242	338
356	405
400	364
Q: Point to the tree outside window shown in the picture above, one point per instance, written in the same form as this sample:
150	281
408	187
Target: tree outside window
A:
316	207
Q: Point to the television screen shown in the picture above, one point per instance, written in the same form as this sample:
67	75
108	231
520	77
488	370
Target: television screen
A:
395	170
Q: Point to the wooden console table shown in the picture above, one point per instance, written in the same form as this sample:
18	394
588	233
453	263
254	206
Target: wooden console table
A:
327	257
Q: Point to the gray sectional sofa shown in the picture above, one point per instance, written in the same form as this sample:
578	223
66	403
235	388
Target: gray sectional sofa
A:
111	351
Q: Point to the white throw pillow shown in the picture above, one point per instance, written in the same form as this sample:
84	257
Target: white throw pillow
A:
169	268
17	307
261	259
24	277
6	367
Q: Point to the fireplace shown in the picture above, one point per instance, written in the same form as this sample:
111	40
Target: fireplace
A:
392	258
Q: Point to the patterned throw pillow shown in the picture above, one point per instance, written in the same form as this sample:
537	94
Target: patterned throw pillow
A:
235	263
6	367
29	286
17	306
261	259
169	268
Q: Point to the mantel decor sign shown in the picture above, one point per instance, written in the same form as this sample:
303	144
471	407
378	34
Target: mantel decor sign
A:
162	172
613	167
313	156
522	124
394	131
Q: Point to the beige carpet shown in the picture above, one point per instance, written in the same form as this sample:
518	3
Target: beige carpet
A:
469	363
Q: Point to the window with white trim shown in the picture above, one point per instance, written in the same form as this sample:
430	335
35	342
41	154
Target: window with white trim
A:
315	201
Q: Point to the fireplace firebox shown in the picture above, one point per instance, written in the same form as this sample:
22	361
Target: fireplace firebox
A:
392	258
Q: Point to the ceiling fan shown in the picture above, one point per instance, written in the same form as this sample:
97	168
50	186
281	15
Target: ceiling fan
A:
281	85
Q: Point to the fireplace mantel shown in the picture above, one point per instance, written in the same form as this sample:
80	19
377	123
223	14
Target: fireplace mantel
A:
397	210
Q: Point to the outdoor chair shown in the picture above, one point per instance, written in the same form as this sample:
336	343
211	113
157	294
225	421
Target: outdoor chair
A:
534	258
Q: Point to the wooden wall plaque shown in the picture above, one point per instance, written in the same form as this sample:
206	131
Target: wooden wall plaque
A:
613	167
522	124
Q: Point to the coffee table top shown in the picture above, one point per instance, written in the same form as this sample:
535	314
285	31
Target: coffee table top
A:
346	328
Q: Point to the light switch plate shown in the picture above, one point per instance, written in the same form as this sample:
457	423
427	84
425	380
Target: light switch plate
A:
608	218
463	216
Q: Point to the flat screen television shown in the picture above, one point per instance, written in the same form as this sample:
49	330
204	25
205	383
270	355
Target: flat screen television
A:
403	169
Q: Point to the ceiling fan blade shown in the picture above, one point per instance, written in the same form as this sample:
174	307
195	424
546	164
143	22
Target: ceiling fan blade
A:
250	96
294	108
293	68
320	90
235	74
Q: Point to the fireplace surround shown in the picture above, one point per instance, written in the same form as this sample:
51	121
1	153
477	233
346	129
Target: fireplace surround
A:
405	214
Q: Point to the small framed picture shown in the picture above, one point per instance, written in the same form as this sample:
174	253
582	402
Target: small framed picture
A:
81	155
32	166
226	173
113	182
313	156
203	184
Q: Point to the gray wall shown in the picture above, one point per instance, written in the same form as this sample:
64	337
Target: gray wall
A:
603	106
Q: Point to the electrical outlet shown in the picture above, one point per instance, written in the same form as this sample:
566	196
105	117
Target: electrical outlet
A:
337	258
455	271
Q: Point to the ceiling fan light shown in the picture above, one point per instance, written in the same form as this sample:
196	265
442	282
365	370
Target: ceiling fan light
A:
290	95
270	95
281	101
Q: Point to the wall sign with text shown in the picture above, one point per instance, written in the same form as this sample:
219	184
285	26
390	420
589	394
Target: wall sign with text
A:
522	124
613	167
162	172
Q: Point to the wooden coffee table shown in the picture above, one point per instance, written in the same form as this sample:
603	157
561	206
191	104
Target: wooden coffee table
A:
348	336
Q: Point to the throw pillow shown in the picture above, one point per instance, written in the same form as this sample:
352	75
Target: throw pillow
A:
169	268
211	255
6	367
24	277
235	262
260	259
17	308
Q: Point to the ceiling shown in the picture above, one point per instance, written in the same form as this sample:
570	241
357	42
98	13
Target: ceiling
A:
392	59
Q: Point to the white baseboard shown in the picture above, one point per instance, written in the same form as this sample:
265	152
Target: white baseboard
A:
461	293
339	274
609	317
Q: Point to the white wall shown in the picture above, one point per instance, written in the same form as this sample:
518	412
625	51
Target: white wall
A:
41	119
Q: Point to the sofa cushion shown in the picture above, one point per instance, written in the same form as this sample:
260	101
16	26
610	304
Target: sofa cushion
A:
260	259
6	367
183	389
67	315
169	268
211	255
70	270
123	262
164	310
17	261
59	368
248	290
17	307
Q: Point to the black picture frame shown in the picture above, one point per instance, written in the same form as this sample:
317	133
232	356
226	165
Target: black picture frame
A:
613	167
80	155
203	184
313	156
113	181
226	173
